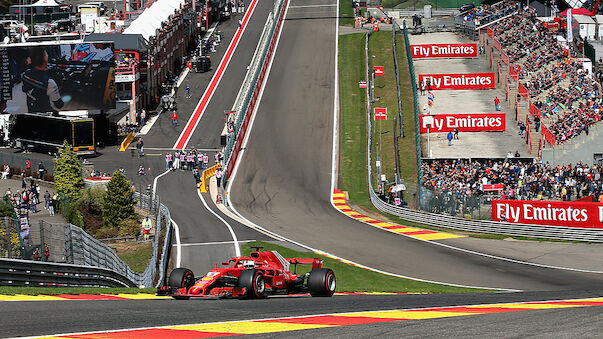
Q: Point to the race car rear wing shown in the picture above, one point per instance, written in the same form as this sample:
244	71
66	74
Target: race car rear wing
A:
315	262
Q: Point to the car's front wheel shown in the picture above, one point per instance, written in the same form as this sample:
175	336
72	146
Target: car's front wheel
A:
179	278
254	284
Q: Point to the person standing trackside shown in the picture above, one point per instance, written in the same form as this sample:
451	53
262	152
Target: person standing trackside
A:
422	86
497	103
174	118
188	91
449	137
146	227
143	117
241	6
219	177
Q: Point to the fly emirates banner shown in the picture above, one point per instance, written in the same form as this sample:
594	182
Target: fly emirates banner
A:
478	122
458	81
444	51
557	213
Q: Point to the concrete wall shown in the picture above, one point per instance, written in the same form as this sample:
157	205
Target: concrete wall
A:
581	148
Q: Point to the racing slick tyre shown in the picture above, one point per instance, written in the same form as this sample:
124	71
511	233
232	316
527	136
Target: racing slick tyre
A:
253	281
322	282
181	277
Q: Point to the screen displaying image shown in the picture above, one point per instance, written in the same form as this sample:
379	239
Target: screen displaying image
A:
61	77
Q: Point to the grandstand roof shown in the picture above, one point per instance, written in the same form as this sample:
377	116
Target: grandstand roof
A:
150	20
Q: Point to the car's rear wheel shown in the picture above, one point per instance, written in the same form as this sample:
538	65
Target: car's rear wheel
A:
254	284
322	282
179	278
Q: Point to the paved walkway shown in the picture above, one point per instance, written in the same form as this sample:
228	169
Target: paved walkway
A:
43	214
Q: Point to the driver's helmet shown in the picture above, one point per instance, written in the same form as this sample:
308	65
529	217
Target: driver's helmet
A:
249	263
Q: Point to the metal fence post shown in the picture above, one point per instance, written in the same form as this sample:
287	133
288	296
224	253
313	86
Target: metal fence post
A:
42	232
8	238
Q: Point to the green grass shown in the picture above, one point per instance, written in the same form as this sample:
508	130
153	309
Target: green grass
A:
346	13
353	160
136	256
12	290
353	170
354	279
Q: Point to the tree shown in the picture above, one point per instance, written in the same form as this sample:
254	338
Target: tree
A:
118	204
68	173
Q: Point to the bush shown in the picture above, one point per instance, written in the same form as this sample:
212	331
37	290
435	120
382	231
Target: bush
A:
106	232
92	200
6	208
118	202
69	210
129	227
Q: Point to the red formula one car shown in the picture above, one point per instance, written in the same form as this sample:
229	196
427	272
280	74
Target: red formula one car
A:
261	274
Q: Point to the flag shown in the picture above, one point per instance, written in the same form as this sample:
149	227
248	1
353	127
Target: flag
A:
430	98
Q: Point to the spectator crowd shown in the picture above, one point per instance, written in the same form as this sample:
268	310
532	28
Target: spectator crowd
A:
568	98
522	180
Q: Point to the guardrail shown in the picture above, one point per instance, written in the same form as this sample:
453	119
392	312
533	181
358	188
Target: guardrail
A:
249	93
73	247
14	272
479	226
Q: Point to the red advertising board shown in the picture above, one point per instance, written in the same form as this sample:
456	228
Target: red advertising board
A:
378	71
362	84
444	51
459	81
479	122
493	187
380	113
557	213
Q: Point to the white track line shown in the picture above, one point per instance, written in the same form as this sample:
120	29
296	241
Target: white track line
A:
176	228
244	146
215	243
234	236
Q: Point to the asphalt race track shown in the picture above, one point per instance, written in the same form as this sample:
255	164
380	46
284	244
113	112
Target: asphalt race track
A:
283	183
284	179
28	318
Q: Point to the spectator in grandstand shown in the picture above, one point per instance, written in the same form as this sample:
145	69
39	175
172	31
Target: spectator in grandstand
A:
521	179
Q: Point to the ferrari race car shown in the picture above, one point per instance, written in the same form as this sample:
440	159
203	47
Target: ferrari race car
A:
261	274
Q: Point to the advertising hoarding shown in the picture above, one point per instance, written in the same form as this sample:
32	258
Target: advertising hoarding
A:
557	213
444	51
459	81
60	77
478	122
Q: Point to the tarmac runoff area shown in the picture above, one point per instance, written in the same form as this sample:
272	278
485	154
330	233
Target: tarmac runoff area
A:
470	144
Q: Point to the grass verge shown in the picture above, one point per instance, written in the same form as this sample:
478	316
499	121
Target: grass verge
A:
355	279
346	13
12	290
135	254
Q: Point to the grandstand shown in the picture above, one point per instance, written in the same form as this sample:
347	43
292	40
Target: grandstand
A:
550	91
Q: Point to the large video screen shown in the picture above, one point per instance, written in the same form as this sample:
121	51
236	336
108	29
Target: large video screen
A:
60	77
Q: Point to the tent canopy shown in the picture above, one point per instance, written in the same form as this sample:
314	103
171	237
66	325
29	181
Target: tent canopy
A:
150	20
579	11
45	3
